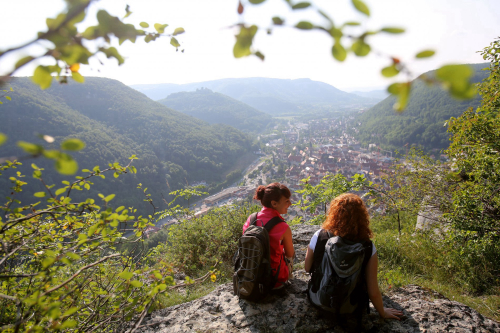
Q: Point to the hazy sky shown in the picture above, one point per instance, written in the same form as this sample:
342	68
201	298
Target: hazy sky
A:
456	29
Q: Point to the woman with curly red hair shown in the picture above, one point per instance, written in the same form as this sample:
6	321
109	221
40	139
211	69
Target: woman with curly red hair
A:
349	220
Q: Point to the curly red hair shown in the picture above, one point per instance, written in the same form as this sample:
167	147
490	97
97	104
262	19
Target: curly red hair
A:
348	218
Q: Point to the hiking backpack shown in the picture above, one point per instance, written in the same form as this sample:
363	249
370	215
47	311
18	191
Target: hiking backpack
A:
337	281
253	276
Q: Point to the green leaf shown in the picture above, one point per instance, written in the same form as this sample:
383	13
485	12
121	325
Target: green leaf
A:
339	52
361	7
393	30
66	165
301	5
112	52
42	77
77	77
87	186
73	144
144	25
39	194
256	2
109	197
402	91
425	54
178	31
60	191
136	284
278	21
23	61
351	23
244	41
456	79
70	323
390	71
174	42
160	28
126	275
70	311
3	138
30	148
304	25
8	97
360	48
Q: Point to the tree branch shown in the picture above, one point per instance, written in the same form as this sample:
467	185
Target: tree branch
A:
79	271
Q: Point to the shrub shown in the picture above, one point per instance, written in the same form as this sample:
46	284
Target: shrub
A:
198	242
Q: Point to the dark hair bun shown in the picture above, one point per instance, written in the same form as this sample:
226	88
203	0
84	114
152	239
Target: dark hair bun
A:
259	192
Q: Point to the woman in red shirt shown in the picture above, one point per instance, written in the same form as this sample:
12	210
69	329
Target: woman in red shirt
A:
275	199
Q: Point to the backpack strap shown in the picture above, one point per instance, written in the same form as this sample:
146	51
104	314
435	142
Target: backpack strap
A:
253	219
272	223
319	250
268	226
368	252
365	303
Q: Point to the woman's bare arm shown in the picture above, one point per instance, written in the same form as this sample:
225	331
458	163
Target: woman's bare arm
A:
288	243
309	259
374	292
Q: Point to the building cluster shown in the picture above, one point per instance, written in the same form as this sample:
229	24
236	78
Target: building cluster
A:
334	159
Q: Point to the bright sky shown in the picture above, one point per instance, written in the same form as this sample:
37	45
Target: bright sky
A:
456	29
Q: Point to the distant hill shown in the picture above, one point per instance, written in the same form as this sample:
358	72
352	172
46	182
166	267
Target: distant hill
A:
216	108
115	122
374	94
421	123
273	96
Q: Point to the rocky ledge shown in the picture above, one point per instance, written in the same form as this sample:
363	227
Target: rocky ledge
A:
289	310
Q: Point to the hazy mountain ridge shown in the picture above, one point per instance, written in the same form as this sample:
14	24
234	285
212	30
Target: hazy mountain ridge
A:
273	96
380	94
422	122
116	122
216	108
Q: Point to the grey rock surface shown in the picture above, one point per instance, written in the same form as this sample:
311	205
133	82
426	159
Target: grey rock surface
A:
302	234
288	310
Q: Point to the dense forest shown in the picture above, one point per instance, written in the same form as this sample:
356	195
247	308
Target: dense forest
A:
421	123
116	122
273	96
216	108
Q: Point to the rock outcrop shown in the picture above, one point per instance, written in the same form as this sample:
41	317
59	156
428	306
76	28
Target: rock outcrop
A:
289	310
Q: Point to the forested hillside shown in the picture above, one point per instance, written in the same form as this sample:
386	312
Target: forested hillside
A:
116	122
273	96
217	108
422	122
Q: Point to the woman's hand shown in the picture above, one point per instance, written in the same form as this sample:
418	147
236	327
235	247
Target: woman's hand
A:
390	313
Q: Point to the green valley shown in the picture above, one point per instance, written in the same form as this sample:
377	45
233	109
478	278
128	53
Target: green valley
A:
116	122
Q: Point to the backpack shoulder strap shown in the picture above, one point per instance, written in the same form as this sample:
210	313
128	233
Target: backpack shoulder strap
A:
272	223
319	250
368	252
253	218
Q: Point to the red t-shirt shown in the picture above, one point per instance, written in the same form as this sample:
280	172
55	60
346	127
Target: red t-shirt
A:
276	248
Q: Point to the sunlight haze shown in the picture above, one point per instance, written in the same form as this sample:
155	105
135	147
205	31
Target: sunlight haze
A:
455	29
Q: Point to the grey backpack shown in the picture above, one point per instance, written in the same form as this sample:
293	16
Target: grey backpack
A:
253	276
337	281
